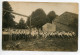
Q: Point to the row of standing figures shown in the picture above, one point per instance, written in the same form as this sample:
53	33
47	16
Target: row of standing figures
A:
27	37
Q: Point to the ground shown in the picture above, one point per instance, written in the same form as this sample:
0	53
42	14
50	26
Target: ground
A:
42	44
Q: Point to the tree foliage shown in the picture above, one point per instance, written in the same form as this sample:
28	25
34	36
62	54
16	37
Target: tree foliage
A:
51	16
38	18
21	24
7	16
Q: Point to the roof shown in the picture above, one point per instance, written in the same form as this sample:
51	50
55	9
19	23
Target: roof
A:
66	18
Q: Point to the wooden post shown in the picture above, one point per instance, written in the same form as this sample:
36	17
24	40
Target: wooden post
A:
30	26
10	34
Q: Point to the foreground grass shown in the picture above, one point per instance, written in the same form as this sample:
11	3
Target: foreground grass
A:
42	44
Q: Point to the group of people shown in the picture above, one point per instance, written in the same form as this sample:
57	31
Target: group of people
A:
58	34
19	35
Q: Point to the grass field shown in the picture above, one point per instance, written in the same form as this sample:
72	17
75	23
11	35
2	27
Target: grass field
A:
42	44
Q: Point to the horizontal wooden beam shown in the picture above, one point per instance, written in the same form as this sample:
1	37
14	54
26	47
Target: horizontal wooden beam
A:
15	13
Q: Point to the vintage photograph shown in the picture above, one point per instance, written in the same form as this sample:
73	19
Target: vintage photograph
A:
39	26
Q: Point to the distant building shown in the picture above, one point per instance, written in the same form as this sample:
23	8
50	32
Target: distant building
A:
67	22
48	27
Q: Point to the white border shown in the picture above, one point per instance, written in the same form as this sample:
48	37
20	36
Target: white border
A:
37	52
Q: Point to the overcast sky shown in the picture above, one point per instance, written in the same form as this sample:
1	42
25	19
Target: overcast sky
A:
26	8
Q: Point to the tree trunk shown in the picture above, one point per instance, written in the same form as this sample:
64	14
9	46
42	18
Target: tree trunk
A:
38	31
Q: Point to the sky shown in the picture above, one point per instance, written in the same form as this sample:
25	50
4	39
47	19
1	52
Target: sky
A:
26	8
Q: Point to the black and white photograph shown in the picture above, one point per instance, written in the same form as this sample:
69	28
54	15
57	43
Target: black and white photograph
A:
39	26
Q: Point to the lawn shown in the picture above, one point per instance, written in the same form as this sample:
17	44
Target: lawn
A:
42	44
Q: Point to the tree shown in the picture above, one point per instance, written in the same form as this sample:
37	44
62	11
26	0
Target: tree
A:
21	24
51	16
7	21
38	19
